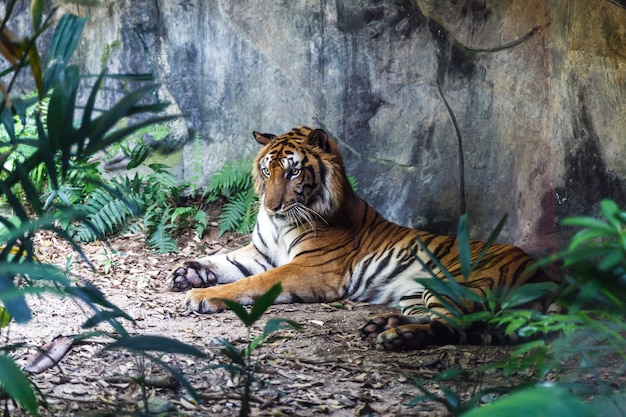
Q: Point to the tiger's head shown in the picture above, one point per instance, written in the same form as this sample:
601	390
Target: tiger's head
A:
300	177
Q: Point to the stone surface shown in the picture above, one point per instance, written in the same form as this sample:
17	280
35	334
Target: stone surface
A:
536	88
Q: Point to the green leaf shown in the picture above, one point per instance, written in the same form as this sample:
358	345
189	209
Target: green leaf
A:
83	131
16	385
36	12
32	196
276	324
612	259
200	220
5	318
253	345
178	376
590	223
611	212
35	65
46	153
540	401
123	108
61	48
138	155
161	239
239	310
13	300
142	343
492	238
609	405
526	293
233	353
262	303
445	293
61	115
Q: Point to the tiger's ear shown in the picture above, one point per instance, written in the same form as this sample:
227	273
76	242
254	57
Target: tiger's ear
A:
263	138
318	138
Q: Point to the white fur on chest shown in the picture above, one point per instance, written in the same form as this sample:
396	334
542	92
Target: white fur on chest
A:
273	240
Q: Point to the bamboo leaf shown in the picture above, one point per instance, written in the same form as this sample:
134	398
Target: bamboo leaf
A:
35	65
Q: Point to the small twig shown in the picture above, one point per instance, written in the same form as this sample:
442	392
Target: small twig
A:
166	382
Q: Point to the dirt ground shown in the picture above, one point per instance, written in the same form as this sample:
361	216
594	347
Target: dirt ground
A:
324	369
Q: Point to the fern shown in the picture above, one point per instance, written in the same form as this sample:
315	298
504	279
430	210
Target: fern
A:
200	222
105	211
238	211
232	178
161	240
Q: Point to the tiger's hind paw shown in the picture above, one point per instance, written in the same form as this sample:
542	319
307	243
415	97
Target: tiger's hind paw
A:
190	274
398	332
406	337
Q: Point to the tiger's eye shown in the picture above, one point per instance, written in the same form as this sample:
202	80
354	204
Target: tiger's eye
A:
295	172
265	172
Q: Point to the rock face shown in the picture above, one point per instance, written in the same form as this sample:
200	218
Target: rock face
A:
532	90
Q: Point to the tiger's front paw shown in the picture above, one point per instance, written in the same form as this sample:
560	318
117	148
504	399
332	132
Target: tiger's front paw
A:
190	274
203	301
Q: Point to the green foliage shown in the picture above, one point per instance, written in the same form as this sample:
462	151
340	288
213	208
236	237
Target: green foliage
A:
591	333
539	401
596	258
149	203
233	182
48	146
239	212
14	383
455	295
231	178
241	363
106	212
499	311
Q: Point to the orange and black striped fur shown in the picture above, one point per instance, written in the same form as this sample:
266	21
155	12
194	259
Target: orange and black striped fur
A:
324	244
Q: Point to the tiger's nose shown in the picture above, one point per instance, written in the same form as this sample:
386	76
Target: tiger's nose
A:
274	206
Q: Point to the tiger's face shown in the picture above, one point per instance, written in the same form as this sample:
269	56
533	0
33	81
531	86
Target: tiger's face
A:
296	176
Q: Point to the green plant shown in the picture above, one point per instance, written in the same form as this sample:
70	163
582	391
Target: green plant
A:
499	311
596	258
591	334
241	363
148	203
233	182
455	295
51	150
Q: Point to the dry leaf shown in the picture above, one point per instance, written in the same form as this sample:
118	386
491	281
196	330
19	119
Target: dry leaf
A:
49	355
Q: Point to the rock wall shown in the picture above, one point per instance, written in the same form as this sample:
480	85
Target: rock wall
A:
533	90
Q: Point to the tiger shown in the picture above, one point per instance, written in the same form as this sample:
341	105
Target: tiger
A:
324	244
